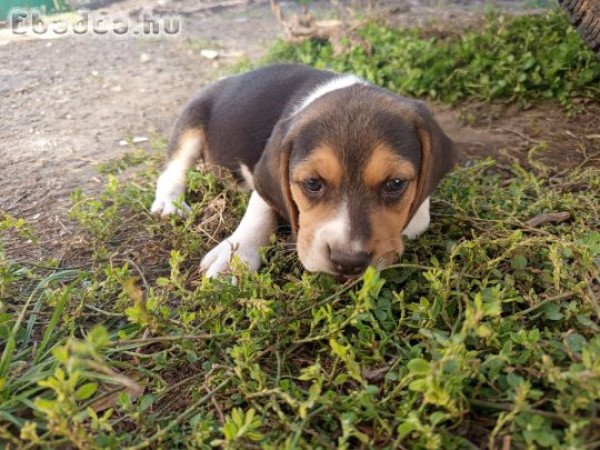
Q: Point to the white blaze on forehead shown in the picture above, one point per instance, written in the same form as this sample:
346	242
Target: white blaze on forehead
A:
335	231
334	84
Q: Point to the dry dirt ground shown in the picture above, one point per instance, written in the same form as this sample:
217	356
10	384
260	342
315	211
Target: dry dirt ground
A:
66	104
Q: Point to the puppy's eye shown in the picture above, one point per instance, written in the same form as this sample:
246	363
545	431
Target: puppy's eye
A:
394	187
312	185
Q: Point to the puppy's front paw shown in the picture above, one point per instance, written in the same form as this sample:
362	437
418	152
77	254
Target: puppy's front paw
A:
166	206
218	260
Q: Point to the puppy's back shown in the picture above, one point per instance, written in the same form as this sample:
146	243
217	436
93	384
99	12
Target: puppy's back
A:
234	117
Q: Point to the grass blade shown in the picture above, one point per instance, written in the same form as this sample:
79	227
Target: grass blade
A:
53	321
58	276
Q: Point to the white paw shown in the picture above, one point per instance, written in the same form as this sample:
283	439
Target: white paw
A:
218	260
166	206
170	189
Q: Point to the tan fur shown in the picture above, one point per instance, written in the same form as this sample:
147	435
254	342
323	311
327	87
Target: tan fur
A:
423	180
438	155
310	217
387	223
322	163
185	140
285	186
325	164
384	164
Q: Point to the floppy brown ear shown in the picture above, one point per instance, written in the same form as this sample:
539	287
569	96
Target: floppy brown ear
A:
438	154
272	174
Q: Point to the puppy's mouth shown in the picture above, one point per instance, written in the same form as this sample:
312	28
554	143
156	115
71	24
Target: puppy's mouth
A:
343	278
343	266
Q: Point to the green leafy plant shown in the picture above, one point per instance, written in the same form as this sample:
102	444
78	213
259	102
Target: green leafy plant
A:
484	321
484	334
514	58
239	426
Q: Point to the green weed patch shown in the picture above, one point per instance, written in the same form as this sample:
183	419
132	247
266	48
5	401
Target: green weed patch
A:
518	59
484	335
485	331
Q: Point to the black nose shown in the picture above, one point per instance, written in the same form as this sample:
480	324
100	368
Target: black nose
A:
348	263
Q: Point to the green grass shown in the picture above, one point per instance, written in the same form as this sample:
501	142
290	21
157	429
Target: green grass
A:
486	329
484	334
522	59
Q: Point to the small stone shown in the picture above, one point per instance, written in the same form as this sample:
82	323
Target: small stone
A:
209	54
144	58
138	139
122	142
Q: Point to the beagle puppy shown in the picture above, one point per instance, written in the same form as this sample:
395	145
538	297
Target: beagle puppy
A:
350	166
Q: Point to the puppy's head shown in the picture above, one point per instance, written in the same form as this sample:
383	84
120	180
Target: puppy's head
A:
351	170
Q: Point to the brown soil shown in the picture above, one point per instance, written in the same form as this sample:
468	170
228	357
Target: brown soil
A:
67	103
545	134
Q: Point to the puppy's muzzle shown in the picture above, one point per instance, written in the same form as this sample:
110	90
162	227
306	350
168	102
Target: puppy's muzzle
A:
349	263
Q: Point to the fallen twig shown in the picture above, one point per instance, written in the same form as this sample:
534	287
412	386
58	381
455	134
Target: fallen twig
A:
342	35
552	217
190	410
556	298
376	374
548	414
521	135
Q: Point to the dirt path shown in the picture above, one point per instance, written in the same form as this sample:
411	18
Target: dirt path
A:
67	103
